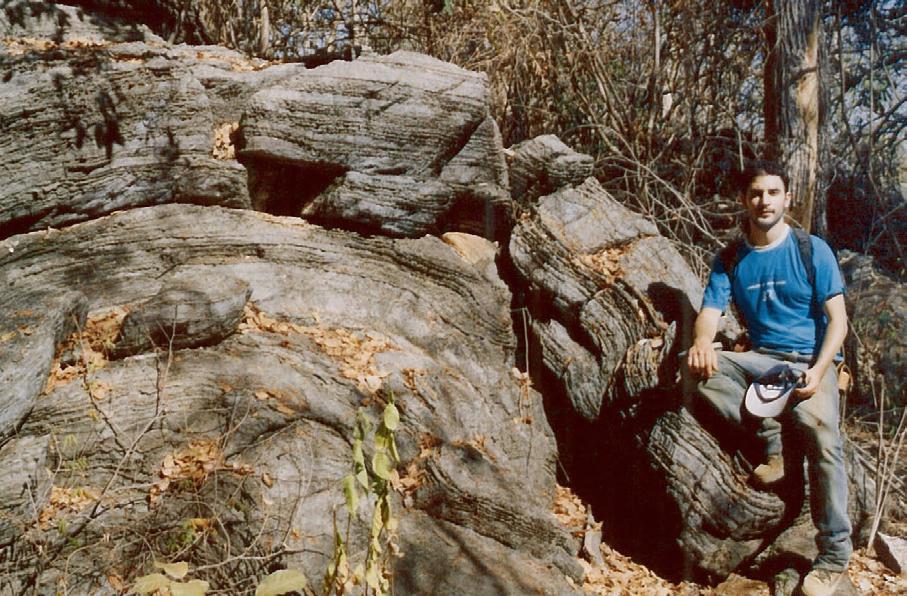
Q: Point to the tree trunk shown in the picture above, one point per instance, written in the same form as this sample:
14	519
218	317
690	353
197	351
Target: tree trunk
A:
793	87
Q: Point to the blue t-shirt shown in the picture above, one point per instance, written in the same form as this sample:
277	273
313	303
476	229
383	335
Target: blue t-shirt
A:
773	294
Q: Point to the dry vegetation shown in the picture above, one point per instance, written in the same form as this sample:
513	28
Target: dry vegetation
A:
619	575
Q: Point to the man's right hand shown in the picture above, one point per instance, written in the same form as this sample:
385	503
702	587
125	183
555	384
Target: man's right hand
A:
702	359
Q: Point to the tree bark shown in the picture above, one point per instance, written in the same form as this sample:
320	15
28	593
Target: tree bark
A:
793	90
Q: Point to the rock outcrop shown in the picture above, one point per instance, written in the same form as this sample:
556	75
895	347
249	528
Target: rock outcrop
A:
892	552
334	323
91	129
593	273
404	145
182	375
212	268
877	305
544	164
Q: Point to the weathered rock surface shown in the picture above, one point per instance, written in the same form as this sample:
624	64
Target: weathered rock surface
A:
480	567
892	551
877	305
403	144
544	164
230	78
596	268
724	521
399	114
390	205
335	323
185	313
34	324
91	129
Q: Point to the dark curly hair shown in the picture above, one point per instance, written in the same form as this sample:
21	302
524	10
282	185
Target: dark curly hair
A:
759	167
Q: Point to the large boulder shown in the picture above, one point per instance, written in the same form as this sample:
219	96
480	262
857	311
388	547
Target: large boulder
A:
213	445
400	144
89	129
595	274
544	164
399	114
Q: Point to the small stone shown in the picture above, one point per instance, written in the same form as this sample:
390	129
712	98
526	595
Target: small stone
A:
785	582
892	551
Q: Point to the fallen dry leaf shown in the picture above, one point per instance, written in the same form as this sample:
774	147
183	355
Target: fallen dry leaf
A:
353	349
194	463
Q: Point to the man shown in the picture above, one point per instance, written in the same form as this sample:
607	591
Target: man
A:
788	320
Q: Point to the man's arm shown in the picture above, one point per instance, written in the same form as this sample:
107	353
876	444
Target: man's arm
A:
701	358
831	343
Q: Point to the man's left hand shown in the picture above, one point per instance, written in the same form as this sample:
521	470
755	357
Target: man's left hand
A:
810	384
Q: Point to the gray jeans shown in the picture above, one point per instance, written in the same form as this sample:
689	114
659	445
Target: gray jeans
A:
816	422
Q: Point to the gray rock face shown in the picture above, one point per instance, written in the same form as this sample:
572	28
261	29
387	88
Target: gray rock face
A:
892	551
724	520
479	163
334	324
33	325
230	78
390	205
600	267
403	114
581	372
186	313
98	128
544	164
429	546
747	514
400	145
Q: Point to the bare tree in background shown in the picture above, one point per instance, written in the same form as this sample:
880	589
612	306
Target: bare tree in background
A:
793	91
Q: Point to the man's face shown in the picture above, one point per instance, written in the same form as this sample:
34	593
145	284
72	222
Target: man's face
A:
766	201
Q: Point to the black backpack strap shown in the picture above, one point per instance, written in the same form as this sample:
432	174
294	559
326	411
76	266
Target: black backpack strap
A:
729	256
805	247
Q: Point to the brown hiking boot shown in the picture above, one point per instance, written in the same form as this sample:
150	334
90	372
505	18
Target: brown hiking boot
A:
771	471
822	582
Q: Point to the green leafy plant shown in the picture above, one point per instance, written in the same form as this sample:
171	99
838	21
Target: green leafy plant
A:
375	485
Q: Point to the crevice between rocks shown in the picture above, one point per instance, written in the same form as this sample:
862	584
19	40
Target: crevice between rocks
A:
455	147
479	215
603	461
283	188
